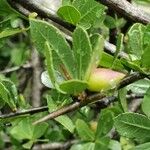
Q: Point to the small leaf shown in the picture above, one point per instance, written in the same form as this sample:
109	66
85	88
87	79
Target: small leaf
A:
122	99
146	103
6	96
91	11
25	130
145	146
66	122
145	57
139	87
105	123
107	60
69	14
102	143
52	105
49	62
97	42
84	131
135	40
62	54
73	86
114	145
28	145
82	51
133	125
47	81
10	32
119	47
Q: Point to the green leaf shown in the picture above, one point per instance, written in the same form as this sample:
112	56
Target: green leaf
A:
135	40
107	60
12	89
97	42
146	103
52	105
10	32
6	97
105	123
26	130
114	145
145	57
28	145
69	14
133	125
66	2
139	87
119	47
82	51
84	131
49	62
122	99
66	122
145	146
110	22
41	32
90	10
102	143
73	86
6	10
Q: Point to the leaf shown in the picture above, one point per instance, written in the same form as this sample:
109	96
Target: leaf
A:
110	22
69	14
145	57
135	40
139	87
119	47
6	96
145	146
64	119
105	123
25	130
12	89
62	55
49	62
28	145
102	143
66	122
84	131
10	32
133	125
66	2
91	11
146	103
122	99
73	86
6	10
47	81
107	60
114	145
97	42
82	51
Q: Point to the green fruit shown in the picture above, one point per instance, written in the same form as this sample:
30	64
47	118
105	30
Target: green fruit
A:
103	79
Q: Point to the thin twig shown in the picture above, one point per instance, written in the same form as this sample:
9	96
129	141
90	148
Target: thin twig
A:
103	102
127	10
91	99
25	112
16	68
55	145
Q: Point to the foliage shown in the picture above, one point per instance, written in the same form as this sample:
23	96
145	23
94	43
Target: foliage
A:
67	64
